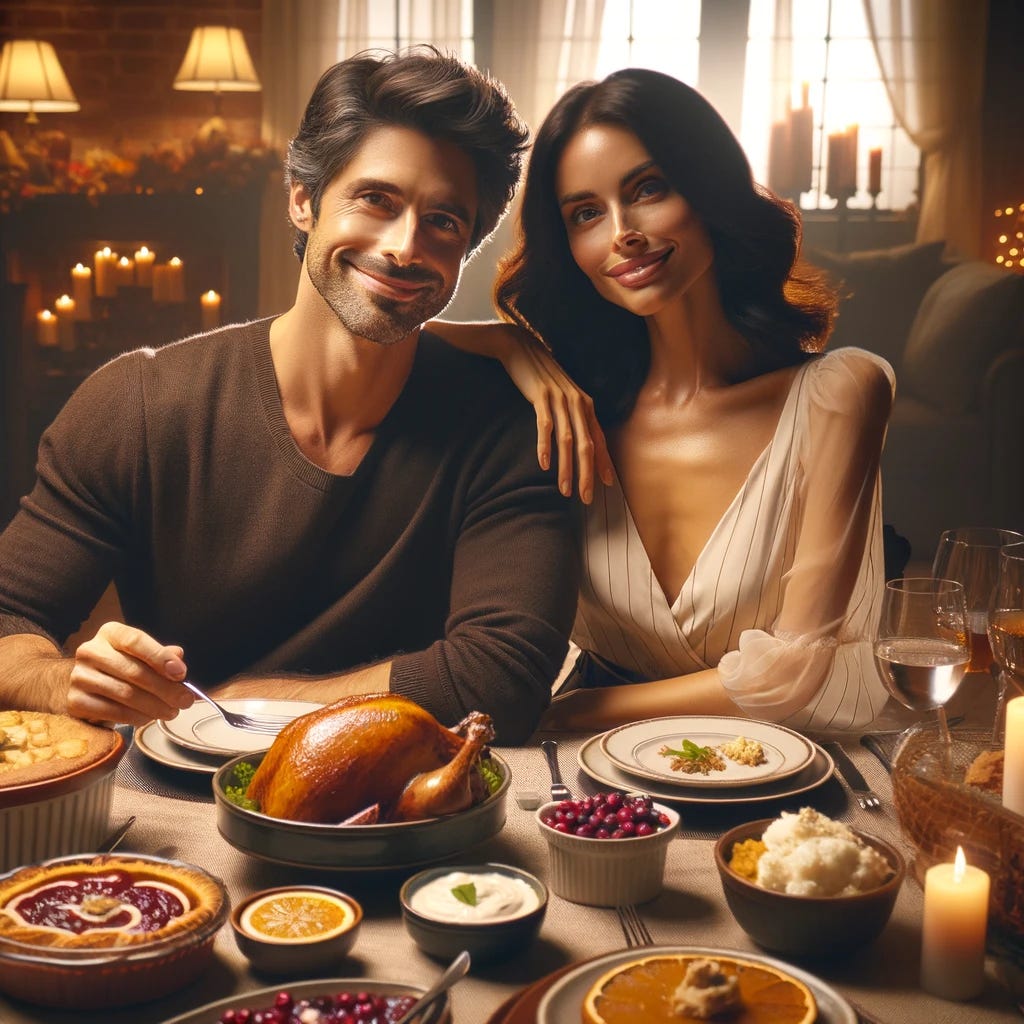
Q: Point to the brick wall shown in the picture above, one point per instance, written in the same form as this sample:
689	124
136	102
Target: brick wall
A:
121	56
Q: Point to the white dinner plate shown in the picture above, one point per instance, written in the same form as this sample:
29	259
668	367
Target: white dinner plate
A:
635	749
563	1000
262	998
595	763
152	743
201	728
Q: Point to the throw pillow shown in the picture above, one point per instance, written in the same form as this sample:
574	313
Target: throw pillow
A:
968	316
879	292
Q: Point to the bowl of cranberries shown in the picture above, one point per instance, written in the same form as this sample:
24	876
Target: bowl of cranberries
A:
607	849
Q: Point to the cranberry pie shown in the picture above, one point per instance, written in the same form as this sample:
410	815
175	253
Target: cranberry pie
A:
106	901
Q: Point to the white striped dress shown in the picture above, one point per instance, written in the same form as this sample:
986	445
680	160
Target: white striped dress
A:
786	591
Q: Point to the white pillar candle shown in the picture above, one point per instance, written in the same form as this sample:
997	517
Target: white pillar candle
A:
144	258
46	329
105	280
81	291
175	280
1013	757
124	272
65	307
953	932
209	303
160	283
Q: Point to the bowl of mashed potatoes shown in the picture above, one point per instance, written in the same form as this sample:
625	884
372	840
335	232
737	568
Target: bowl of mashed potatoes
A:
804	885
490	910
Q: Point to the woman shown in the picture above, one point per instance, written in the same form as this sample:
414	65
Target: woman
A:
734	561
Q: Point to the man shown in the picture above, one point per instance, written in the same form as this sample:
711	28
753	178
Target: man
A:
327	503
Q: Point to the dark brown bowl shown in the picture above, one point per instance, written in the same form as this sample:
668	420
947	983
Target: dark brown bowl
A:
807	926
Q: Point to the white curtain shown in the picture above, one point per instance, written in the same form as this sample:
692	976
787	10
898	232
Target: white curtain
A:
534	44
932	57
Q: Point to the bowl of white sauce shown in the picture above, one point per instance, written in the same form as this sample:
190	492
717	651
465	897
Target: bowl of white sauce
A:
490	910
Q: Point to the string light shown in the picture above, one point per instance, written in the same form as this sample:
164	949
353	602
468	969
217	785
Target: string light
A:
1008	240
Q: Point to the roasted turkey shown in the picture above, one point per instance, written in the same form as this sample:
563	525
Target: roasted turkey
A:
376	757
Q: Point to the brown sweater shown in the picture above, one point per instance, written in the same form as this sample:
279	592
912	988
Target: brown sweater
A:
173	472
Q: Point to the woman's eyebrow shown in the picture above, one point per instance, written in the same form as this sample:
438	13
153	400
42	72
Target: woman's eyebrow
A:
575	197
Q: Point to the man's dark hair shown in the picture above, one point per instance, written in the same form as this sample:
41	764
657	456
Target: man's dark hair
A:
422	89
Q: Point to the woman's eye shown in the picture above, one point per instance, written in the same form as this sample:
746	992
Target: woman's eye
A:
583	215
651	187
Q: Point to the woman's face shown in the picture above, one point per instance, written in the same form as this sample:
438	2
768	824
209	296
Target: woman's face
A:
630	232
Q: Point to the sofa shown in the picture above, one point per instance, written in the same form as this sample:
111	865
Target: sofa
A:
954	334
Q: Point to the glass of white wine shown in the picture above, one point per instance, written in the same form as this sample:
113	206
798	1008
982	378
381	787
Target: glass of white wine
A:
921	645
1006	622
970	555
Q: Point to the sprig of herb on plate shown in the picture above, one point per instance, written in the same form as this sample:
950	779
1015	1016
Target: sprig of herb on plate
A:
693	759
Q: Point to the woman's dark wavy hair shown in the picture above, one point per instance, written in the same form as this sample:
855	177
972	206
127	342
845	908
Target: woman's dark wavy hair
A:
782	309
423	89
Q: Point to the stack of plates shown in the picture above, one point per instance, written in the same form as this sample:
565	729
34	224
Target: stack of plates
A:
199	740
628	758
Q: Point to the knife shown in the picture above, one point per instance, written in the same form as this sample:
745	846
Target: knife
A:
849	771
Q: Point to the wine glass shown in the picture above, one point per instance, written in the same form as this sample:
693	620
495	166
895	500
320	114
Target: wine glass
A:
1006	622
921	647
970	555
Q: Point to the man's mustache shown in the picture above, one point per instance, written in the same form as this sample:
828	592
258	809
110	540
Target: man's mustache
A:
386	269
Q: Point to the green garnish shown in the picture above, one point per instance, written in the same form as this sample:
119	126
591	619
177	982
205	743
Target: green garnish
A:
465	894
690	750
241	776
491	774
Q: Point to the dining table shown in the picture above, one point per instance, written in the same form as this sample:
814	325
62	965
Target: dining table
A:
176	817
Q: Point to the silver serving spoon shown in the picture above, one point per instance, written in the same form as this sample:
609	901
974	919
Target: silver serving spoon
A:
453	972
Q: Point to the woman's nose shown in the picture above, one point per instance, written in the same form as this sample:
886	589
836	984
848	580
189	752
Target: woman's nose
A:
627	236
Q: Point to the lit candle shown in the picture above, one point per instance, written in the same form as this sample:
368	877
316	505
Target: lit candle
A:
124	272
801	136
46	329
850	161
81	290
144	259
779	177
953	932
175	280
104	263
875	170
209	303
835	157
65	307
1013	757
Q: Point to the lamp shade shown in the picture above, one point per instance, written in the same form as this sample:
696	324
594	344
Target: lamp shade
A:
217	60
32	79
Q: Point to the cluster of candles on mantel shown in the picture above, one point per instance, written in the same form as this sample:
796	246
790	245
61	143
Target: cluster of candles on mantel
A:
110	272
790	155
956	896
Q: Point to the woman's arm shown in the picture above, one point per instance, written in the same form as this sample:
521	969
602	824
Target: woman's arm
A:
560	406
699	693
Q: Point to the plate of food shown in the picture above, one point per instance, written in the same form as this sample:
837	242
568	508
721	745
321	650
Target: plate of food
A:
595	763
707	751
369	782
386	1001
200	728
749	988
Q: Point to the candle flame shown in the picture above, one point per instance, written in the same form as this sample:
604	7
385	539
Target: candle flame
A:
959	865
174	261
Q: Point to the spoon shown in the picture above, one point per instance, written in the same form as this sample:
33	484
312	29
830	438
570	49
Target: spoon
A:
114	839
453	972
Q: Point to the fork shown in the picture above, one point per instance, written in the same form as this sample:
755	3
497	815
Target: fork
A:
270	725
866	796
633	927
559	790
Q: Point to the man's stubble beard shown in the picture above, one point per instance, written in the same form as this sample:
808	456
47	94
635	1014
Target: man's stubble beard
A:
375	317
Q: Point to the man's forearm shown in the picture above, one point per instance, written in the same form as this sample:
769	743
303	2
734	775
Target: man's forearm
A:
322	689
34	674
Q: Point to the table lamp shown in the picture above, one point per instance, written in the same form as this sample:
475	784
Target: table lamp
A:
31	79
217	61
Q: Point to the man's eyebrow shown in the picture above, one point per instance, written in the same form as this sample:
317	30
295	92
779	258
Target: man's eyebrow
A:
575	197
357	185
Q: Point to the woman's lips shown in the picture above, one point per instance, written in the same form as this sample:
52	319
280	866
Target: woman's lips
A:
636	272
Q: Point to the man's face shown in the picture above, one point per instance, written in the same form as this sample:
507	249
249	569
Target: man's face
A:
387	249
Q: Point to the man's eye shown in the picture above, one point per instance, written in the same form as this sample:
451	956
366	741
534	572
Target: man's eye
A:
377	199
444	222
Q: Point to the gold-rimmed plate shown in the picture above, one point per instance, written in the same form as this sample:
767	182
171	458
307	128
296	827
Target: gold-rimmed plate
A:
636	749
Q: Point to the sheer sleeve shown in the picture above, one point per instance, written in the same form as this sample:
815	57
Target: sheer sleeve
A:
813	667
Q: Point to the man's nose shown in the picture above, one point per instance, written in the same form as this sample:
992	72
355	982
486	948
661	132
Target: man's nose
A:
400	239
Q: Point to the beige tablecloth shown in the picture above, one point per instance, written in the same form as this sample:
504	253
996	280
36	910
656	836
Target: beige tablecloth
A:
690	910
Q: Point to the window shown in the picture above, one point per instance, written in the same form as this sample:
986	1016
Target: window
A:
401	23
